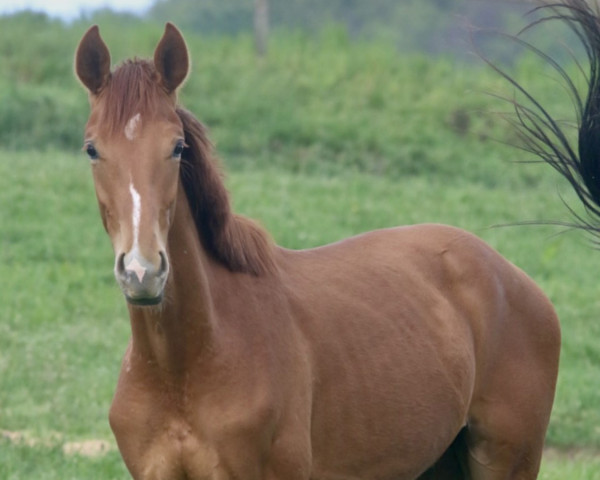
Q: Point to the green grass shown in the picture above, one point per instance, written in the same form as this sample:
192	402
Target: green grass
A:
571	469
64	324
22	462
315	104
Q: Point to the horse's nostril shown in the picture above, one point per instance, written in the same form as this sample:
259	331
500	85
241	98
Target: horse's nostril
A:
120	264
163	263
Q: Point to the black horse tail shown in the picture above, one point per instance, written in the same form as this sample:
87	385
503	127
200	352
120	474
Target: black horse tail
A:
545	137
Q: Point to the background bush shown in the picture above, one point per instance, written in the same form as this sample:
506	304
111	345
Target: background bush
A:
321	101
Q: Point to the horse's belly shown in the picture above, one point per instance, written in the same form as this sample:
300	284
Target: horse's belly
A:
391	412
397	447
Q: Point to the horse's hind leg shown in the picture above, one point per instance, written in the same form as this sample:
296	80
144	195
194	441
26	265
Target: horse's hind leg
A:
492	449
508	418
491	458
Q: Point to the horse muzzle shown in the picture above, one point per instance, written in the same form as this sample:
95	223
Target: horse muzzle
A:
141	281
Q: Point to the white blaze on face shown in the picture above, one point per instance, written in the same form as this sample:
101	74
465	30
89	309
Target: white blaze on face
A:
134	265
136	214
132	126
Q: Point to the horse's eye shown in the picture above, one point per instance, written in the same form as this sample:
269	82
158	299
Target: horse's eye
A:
178	150
91	151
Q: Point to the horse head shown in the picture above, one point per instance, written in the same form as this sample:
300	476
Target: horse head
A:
135	139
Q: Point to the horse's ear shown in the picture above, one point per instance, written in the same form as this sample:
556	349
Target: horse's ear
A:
92	61
171	58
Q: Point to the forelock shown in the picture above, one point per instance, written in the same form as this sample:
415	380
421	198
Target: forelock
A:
133	89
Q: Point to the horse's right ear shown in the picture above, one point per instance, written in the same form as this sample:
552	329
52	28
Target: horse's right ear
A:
92	61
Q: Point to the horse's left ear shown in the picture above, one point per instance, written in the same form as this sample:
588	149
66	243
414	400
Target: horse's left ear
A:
171	58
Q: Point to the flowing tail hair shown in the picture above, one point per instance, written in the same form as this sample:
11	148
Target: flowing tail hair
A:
544	136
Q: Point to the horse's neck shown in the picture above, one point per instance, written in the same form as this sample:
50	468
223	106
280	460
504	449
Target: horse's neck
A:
181	329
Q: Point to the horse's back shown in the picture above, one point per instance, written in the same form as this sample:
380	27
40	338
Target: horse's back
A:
417	271
408	329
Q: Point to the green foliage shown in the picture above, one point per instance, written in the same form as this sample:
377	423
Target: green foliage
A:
40	116
207	16
412	26
319	103
423	25
35	49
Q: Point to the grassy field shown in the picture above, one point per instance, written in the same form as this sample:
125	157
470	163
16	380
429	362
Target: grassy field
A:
324	139
64	324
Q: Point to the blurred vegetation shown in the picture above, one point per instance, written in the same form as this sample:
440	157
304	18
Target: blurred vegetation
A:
427	26
322	101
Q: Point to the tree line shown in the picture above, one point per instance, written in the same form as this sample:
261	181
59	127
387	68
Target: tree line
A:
427	26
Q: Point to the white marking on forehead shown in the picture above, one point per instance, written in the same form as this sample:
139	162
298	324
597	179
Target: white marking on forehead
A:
132	125
136	213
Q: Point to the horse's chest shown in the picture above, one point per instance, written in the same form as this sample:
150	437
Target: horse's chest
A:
178	453
160	443
167	437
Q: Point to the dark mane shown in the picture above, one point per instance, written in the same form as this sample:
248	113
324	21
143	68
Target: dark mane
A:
545	137
236	242
133	88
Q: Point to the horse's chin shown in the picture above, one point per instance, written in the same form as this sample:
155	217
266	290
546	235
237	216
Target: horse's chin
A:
144	301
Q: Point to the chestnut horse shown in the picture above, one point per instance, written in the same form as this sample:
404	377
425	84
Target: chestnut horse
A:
411	352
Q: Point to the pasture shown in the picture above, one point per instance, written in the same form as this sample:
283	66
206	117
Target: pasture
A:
65	324
349	138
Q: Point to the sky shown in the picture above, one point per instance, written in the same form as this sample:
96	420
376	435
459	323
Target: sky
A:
70	9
